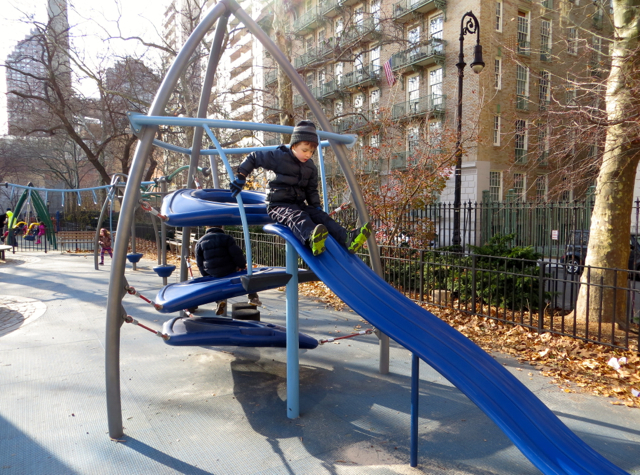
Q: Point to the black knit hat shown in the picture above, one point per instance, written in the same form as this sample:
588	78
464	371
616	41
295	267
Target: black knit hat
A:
304	131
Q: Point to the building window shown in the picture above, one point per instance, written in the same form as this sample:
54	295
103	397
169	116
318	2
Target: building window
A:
523	33
413	37
435	134
521	141
519	186
572	90
543	145
413	139
497	71
544	90
308	43
309	80
572	41
541	188
358	16
358	103
413	93
375	12
374	140
495	186
322	35
596	52
498	16
436	25
337	72
374	104
496	130
338	109
522	87
435	88
545	40
338	27
374	56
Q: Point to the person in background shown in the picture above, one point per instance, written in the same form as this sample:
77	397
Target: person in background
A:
105	244
217	255
293	198
3	220
42	229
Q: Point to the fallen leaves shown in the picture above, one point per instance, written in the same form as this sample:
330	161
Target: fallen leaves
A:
573	364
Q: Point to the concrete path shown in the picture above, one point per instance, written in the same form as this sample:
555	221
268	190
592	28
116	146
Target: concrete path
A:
197	410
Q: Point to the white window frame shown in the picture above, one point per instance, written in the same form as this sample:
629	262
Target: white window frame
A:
542	191
544	87
546	36
521	139
520	178
495	186
499	15
497	71
523	29
572	41
497	125
435	87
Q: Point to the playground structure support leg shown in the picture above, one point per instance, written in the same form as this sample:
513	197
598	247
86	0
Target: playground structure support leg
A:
293	344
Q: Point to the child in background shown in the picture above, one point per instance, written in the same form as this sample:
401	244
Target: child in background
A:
105	244
41	231
217	255
293	199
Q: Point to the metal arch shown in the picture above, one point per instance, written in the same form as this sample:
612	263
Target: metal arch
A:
115	311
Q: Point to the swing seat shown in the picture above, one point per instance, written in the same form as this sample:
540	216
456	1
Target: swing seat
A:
203	290
220	331
164	271
134	257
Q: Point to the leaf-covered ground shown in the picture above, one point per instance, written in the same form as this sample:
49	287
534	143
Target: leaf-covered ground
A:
574	365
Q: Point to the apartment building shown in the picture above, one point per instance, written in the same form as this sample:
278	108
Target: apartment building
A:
367	59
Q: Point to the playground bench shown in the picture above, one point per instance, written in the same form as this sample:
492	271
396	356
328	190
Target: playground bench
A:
4	248
76	240
175	244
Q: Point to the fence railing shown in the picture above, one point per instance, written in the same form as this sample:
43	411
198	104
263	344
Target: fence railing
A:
539	295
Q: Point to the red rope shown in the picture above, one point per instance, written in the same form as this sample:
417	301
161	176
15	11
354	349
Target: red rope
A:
146	206
363	332
132	291
130	319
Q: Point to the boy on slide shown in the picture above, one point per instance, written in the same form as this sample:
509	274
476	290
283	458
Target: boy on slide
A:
293	198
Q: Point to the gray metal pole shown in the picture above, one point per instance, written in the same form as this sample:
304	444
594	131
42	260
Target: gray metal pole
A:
205	95
163	229
115	311
339	149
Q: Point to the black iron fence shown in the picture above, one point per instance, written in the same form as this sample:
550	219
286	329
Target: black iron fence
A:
547	227
536	294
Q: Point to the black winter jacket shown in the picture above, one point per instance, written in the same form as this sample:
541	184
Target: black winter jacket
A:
295	182
217	254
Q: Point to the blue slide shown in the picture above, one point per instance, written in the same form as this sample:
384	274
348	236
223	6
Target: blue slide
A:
533	428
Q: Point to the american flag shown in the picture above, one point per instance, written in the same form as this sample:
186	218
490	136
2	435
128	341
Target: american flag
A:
391	79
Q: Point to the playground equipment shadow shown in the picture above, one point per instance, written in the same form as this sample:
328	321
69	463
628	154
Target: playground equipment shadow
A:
197	410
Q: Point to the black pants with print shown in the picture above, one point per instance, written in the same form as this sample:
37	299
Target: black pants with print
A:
302	219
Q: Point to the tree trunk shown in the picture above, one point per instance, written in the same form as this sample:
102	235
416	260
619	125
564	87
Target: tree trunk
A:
611	218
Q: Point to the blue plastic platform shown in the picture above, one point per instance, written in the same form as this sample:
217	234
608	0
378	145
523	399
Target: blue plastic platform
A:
213	207
192	293
218	331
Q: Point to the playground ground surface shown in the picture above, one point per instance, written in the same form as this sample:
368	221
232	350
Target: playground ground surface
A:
197	410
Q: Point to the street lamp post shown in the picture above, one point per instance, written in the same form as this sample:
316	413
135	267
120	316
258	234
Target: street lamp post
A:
468	25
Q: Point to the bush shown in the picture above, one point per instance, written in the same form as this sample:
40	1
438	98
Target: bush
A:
506	277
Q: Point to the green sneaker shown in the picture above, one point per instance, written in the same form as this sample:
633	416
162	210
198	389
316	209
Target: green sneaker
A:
317	239
357	238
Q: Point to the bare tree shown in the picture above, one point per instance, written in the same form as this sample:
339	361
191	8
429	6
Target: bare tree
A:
44	101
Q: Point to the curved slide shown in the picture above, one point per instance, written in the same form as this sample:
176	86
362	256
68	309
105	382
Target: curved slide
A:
533	428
